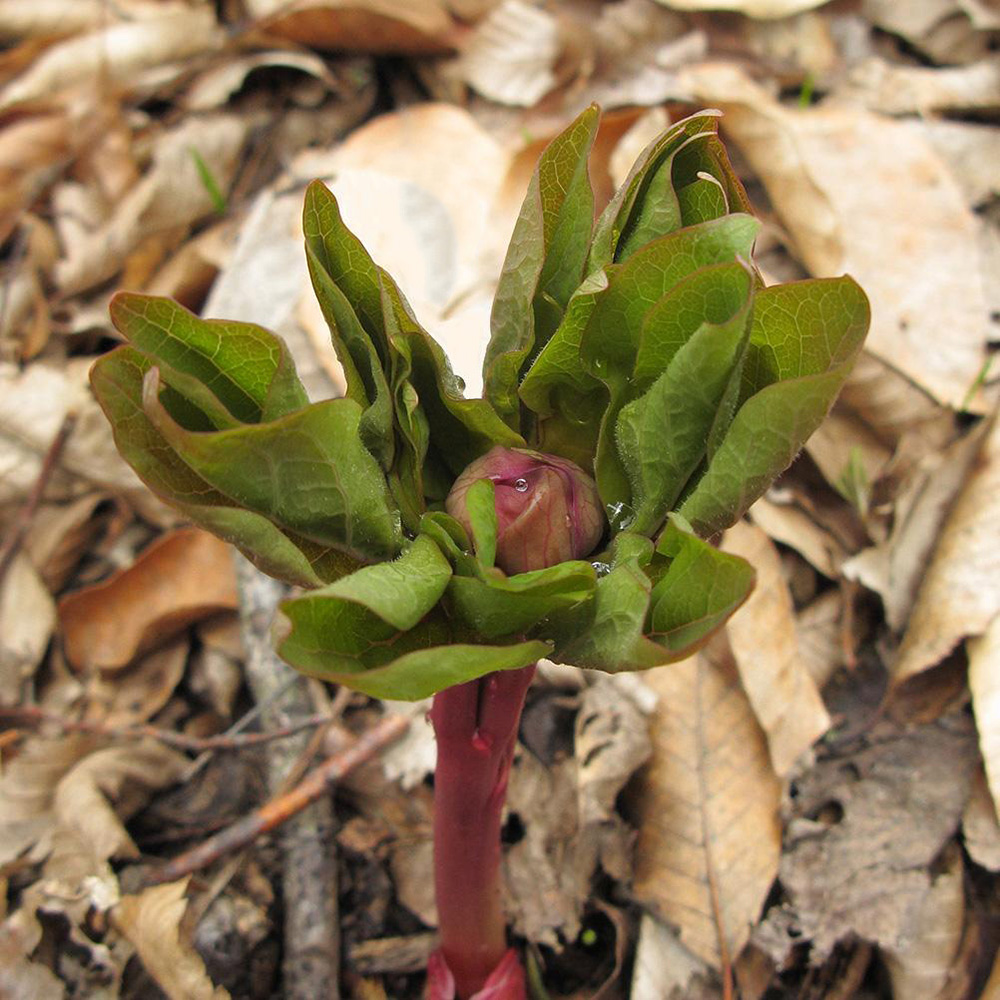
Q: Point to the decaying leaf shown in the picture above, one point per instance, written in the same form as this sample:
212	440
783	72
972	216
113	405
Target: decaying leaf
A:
832	172
19	975
766	648
866	827
183	577
980	827
920	966
665	969
960	595
984	682
709	835
151	920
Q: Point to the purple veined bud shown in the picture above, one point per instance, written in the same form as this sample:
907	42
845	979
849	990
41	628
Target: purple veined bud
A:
548	508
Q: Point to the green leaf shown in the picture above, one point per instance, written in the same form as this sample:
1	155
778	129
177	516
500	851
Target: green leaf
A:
481	508
698	591
245	366
366	382
117	380
707	185
497	605
608	634
662	436
307	471
807	334
544	262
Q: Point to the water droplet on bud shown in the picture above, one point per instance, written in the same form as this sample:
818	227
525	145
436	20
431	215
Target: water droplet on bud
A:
521	485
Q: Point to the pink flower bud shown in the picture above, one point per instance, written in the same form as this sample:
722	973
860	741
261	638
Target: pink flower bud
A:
548	508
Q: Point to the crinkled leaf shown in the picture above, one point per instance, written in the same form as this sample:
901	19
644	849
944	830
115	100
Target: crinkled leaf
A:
247	368
699	590
707	185
366	381
544	262
807	334
481	508
662	436
497	605
307	471
117	381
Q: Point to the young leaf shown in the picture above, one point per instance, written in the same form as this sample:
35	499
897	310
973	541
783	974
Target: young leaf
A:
544	263
662	436
481	509
495	606
803	342
307	471
697	593
245	366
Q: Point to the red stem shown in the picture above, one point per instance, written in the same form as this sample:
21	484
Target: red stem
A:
476	729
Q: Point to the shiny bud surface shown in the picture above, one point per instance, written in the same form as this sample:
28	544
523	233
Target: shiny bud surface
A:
548	509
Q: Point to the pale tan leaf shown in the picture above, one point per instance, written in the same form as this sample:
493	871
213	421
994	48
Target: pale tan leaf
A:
820	631
664	969
127	775
181	578
984	683
920	966
31	153
20	977
894	568
895	89
133	696
151	920
116	54
418	26
791	525
765	9
842	440
866	195
27	620
766	647
960	595
44	18
511	54
60	534
709	834
980	827
971	151
170	197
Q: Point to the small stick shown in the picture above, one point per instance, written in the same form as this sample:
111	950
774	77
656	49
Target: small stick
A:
283	807
15	535
30	715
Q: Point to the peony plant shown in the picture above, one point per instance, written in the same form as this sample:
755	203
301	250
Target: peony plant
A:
642	387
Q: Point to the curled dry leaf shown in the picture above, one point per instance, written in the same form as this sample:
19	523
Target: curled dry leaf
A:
31	152
894	568
984	682
416	27
170	197
791	525
764	9
510	56
766	648
820	631
980	826
960	595
921	965
183	577
116	54
709	835
151	921
132	696
867	195
125	774
27	620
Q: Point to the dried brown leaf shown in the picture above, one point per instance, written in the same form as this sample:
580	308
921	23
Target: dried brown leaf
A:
867	195
510	56
151	921
68	17
665	969
60	534
31	153
791	525
27	621
133	696
116	54
894	568
183	577
820	631
960	595
920	966
865	830
971	151
766	647
842	440
984	683
709	834
19	975
416	27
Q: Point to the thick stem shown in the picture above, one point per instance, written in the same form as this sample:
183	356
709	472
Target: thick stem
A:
476	729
